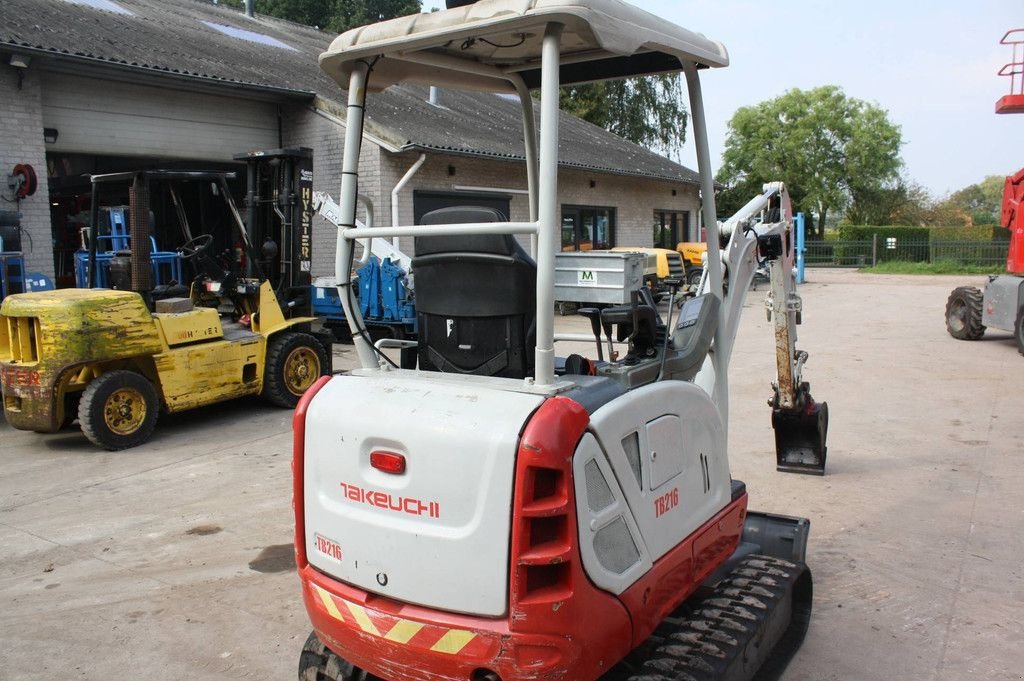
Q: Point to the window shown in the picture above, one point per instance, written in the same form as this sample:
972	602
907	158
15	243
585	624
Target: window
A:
671	227
586	228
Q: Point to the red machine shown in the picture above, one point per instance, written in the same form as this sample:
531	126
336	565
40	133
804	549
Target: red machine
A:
969	310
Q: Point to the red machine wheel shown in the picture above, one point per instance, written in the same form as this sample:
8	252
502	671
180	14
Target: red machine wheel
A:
963	313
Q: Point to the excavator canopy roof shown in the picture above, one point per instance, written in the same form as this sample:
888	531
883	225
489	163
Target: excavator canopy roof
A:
479	46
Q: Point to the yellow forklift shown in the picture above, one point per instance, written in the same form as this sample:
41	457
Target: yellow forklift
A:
113	358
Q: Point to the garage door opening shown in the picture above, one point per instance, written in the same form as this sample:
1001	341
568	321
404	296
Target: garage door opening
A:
70	202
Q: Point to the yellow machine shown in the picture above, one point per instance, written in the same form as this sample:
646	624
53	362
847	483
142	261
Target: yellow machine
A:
662	264
102	356
693	259
104	350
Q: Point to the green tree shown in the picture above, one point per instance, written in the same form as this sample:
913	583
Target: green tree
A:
648	111
908	203
982	201
337	16
828	148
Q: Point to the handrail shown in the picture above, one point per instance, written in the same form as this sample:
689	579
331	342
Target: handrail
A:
1015	67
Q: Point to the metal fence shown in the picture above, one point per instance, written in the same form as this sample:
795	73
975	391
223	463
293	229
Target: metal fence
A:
868	252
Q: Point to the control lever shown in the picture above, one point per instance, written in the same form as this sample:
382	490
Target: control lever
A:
594	315
673	287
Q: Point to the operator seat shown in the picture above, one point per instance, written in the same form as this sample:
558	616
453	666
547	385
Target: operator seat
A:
476	298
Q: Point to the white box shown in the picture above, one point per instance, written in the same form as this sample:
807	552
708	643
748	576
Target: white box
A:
598	276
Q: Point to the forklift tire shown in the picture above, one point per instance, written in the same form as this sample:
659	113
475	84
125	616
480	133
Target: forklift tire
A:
963	313
693	275
1018	330
317	662
118	410
294	362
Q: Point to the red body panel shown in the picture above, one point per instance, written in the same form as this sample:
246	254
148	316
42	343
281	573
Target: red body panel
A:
1013	220
298	461
559	625
677	574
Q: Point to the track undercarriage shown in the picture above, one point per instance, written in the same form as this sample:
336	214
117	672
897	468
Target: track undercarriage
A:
744	628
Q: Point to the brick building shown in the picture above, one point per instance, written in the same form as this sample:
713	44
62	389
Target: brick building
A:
93	86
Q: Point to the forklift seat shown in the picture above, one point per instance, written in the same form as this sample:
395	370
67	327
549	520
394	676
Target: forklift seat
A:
476	298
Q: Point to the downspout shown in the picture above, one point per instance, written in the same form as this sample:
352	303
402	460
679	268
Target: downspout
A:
398	188
366	243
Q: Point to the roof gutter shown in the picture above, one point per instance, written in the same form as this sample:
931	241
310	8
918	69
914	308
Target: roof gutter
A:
77	64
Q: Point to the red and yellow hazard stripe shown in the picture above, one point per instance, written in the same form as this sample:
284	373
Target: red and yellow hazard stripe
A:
432	637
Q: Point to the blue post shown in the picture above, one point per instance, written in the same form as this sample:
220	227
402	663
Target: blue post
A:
800	233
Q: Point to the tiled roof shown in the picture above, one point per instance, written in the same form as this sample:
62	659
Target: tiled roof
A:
193	39
481	124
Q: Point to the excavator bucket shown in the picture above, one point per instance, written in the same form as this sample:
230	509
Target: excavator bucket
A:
800	435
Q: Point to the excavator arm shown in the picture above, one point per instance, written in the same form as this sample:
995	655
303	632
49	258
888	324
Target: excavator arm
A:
762	232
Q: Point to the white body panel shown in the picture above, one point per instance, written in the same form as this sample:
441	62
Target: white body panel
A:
672	435
437	535
611	545
1003	297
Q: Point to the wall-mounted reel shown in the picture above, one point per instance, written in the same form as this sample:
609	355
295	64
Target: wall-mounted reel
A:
23	181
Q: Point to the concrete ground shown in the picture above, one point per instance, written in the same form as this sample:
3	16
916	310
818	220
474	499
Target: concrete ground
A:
173	560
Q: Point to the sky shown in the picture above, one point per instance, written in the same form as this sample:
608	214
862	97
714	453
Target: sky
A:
932	66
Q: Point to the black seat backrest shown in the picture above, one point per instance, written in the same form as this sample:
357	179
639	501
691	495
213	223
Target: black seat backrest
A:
476	298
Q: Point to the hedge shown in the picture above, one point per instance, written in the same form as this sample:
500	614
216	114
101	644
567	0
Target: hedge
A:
866	232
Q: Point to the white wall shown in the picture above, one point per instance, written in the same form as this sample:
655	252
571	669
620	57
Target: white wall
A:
22	142
119	119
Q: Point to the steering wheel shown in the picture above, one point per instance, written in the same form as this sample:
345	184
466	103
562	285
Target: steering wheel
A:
194	247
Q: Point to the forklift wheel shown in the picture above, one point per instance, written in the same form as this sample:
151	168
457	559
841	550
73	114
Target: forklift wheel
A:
318	663
693	275
294	362
118	410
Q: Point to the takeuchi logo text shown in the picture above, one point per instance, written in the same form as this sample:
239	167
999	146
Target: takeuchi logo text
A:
391	502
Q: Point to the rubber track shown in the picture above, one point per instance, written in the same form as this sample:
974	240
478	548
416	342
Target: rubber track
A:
318	663
721	637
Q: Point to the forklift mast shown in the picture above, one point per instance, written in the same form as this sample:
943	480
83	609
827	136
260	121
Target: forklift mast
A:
279	219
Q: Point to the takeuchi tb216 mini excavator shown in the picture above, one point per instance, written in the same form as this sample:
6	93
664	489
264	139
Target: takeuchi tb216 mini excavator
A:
498	513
